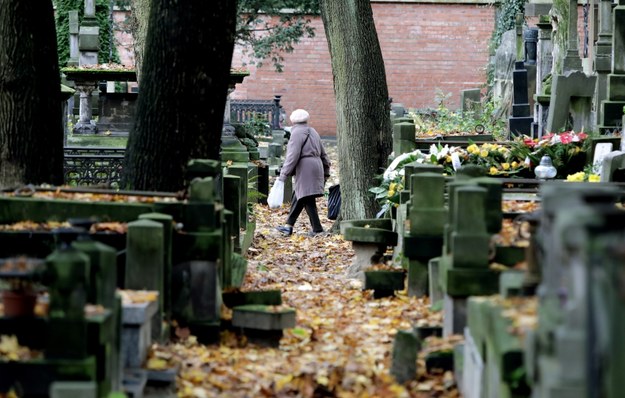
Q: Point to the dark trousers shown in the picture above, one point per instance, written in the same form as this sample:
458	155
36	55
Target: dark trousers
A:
308	203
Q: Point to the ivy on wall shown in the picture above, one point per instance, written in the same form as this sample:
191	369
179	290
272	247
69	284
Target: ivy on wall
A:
505	20
108	51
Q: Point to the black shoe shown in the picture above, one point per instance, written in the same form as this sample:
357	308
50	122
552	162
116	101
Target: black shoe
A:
286	231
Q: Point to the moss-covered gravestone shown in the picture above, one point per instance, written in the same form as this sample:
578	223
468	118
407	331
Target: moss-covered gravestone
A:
464	269
145	256
370	240
423	240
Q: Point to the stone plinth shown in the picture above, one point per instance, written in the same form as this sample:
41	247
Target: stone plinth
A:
137	332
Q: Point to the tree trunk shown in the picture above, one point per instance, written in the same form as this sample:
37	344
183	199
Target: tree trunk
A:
364	134
139	16
559	14
31	130
181	101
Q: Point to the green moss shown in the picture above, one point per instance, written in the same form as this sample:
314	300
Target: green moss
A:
108	50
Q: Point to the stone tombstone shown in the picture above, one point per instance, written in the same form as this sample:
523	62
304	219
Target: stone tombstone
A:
73	38
618	40
398	109
167	222
404	135
196	291
521	120
578	336
571	102
469	237
103	271
612	107
145	266
613	167
504	59
543	75
88	36
603	55
404	358
530	45
471	100
67	271
427	212
232	197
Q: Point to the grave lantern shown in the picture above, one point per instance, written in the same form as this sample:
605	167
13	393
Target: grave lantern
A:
545	170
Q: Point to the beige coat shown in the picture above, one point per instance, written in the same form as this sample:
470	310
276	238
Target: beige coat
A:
307	161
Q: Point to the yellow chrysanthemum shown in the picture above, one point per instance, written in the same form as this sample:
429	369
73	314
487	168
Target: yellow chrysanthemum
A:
577	177
448	159
505	166
483	153
472	148
493	170
594	178
514	164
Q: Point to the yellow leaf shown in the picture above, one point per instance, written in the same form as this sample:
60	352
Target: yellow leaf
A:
283	381
157	364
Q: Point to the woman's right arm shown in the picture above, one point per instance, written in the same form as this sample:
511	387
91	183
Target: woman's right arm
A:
293	152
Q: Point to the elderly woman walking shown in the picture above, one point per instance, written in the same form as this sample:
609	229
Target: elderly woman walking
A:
306	159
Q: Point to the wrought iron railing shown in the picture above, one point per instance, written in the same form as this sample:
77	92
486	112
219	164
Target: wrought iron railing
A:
89	166
247	109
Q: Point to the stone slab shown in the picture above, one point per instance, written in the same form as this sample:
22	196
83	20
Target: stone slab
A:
455	315
417	278
135	342
378	223
384	280
73	389
370	235
263	317
261	297
434	289
473	368
134	382
138	313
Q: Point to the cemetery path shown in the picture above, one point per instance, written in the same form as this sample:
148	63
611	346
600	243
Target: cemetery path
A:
341	345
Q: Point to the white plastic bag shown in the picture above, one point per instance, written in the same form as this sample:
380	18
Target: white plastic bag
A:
276	195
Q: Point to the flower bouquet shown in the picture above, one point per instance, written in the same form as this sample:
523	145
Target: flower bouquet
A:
567	151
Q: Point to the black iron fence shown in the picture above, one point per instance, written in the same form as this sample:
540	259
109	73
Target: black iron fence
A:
93	166
244	110
85	166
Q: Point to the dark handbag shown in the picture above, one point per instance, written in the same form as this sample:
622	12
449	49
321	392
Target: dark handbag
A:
334	202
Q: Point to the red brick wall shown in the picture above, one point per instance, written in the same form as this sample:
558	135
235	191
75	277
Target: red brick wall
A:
425	47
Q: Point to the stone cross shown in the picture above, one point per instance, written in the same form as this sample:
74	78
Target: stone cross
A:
89	8
73	38
572	61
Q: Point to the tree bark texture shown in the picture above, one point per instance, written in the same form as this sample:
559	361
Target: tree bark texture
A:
182	97
31	130
559	14
364	133
140	16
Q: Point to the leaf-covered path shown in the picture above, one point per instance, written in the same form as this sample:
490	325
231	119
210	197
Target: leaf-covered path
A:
341	345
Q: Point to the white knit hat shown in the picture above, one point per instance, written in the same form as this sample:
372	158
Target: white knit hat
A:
299	116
